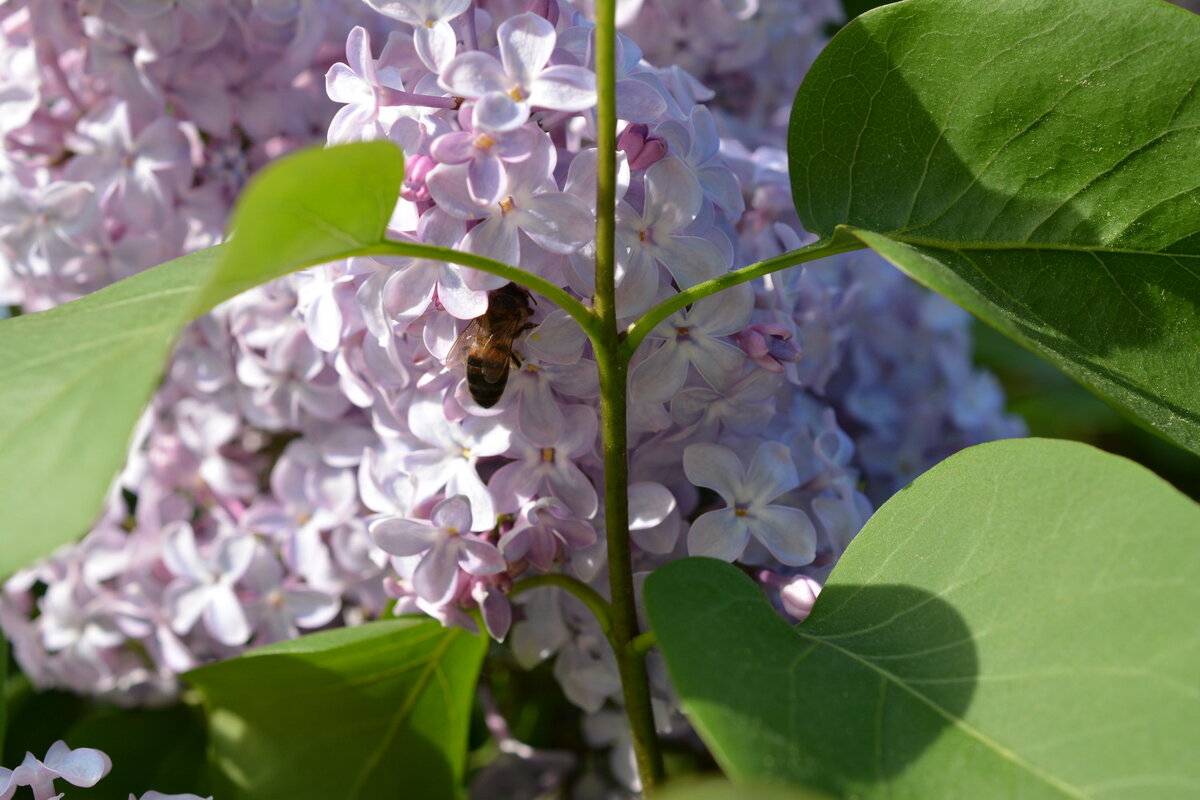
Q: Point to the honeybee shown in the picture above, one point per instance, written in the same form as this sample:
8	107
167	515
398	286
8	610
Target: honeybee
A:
485	346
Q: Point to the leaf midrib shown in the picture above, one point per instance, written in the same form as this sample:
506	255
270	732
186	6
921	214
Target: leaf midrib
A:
957	722
385	741
959	245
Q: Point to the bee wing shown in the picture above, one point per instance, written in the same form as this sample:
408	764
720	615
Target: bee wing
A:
496	369
458	351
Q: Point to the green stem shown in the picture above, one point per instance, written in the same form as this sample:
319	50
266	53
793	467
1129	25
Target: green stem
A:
646	323
643	643
578	311
635	684
599	607
613	368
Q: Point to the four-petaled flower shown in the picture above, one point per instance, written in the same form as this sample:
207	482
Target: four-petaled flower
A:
785	531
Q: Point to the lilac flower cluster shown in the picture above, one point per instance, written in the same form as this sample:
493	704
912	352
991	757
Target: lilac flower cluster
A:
129	126
82	766
317	452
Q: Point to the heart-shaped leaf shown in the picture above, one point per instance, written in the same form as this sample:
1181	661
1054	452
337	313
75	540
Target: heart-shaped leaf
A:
1035	161
1019	622
379	710
74	379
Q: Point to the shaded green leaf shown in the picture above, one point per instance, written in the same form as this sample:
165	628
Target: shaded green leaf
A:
74	379
1035	161
724	790
380	710
1019	622
151	748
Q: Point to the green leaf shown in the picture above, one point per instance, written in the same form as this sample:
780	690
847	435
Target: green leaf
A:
1035	161
1019	622
314	206
74	379
380	710
724	790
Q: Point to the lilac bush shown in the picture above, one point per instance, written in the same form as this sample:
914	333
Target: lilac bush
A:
315	456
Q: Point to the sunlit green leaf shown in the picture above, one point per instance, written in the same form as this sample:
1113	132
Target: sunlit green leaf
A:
1019	622
74	379
380	710
1035	161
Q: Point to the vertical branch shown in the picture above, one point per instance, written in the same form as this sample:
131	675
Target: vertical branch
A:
613	368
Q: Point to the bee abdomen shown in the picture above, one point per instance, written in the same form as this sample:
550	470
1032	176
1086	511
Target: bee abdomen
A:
485	392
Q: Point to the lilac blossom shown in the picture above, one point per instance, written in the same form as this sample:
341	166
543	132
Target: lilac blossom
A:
785	531
430	19
506	89
204	584
445	544
83	766
694	337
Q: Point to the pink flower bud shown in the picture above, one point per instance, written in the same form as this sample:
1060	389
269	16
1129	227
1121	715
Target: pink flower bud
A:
416	168
643	149
769	345
547	9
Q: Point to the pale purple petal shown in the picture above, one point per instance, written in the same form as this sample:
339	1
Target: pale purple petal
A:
660	376
310	608
725	312
673	195
485	179
498	112
526	42
514	485
447	184
358	53
557	221
403	537
716	467
435	45
771	472
496	238
573	488
564	88
497	614
474	74
690	259
787	532
638	101
479	557
649	504
718	534
459	299
453	514
83	766
435	578
719	362
456	147
186	604
225	618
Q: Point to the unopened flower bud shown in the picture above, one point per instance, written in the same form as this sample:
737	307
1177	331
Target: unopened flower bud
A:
643	148
547	9
769	345
416	168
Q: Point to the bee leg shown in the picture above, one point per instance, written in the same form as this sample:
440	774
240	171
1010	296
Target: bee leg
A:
515	358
